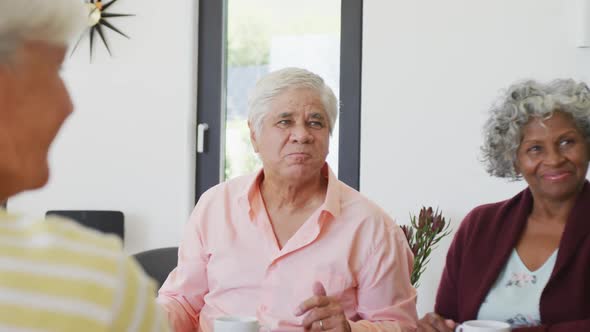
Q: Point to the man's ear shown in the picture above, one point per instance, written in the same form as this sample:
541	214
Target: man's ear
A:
4	83
4	71
253	137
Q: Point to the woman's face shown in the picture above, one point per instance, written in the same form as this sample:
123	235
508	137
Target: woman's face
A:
294	139
553	157
33	105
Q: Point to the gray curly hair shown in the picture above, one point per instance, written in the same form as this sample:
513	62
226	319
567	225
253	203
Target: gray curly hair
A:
273	84
521	102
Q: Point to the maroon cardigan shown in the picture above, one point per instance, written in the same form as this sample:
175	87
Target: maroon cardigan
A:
482	246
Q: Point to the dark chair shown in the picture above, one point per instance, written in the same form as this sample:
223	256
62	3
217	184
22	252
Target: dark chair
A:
111	222
158	263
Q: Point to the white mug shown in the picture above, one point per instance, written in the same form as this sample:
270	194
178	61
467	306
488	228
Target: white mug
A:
236	324
483	326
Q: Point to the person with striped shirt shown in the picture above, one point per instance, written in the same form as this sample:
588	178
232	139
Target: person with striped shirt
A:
54	274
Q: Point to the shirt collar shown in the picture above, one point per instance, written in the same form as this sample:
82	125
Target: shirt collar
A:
247	198
331	202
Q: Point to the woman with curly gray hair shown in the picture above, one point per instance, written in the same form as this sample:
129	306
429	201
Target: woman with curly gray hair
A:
524	261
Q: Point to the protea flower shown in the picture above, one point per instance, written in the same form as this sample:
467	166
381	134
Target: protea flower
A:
423	235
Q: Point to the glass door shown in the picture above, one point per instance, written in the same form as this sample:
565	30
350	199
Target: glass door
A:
256	37
266	35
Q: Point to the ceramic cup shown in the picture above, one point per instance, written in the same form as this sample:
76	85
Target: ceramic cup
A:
483	326
236	324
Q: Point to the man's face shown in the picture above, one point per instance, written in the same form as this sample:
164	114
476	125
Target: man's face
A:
295	135
34	103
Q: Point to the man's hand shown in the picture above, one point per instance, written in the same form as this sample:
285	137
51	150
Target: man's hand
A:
324	313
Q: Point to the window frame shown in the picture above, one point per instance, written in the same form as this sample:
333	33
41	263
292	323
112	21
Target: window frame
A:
211	92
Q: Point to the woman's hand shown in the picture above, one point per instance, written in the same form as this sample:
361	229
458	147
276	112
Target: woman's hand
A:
324	312
432	322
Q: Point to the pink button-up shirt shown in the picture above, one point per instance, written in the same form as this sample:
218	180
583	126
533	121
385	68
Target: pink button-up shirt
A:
230	263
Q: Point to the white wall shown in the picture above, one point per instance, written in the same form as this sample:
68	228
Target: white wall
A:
129	144
431	69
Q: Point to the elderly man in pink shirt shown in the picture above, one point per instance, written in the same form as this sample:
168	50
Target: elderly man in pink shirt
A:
291	244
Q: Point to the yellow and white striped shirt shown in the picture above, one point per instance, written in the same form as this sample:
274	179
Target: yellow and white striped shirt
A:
55	275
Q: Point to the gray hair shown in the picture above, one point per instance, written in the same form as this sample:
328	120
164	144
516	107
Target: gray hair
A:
51	21
273	84
520	103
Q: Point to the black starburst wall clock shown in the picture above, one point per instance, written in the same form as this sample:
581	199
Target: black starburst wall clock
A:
97	21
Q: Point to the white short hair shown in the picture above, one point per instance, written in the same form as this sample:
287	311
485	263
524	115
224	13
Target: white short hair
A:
273	84
51	21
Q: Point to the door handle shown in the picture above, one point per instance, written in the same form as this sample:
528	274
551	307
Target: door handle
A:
201	129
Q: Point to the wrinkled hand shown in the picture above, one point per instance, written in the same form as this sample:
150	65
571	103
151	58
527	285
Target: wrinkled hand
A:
432	322
324	313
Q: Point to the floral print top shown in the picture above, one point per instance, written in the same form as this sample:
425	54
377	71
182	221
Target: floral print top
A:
514	298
